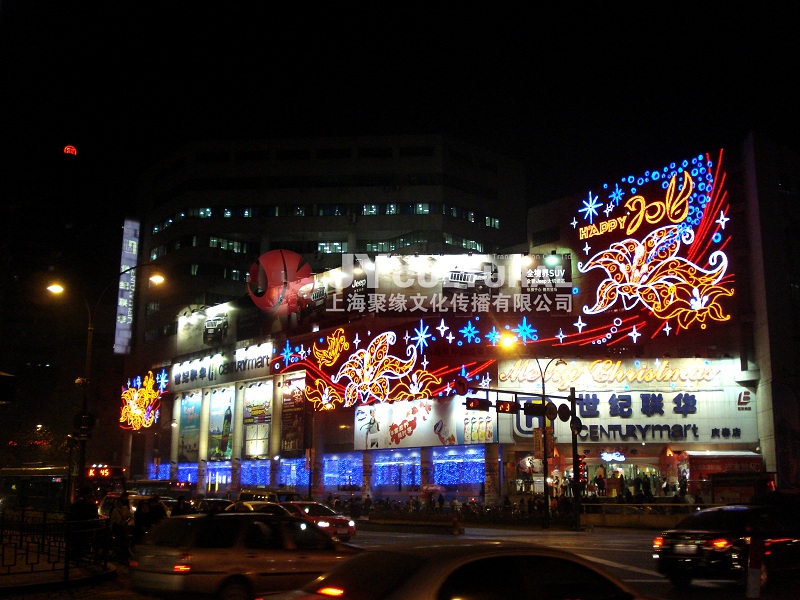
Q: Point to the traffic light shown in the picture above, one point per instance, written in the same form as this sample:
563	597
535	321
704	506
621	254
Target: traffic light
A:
583	473
507	406
534	409
478	403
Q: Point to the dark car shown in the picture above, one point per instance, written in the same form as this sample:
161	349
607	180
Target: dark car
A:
269	494
231	556
714	543
210	505
461	568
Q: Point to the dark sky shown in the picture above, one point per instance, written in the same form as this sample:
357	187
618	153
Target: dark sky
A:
579	93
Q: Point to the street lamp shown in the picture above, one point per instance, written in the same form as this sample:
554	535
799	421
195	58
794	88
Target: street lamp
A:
83	420
542	374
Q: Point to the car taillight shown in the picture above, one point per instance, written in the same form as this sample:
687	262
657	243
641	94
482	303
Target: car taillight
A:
719	544
658	543
183	565
330	591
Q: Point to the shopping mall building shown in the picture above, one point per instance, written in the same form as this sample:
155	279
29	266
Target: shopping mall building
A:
637	316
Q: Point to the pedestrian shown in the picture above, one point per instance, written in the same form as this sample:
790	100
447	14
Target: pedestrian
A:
182	507
141	521
440	502
600	484
120	520
83	519
367	504
157	511
647	489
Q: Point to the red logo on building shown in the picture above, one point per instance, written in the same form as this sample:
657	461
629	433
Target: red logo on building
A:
743	403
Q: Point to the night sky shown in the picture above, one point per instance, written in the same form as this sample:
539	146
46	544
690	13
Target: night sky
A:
578	94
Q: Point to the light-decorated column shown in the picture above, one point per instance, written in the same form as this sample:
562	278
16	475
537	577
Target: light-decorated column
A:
175	440
202	444
492	477
366	483
237	441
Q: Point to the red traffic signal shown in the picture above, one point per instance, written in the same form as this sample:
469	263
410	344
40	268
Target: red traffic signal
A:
583	472
478	404
507	406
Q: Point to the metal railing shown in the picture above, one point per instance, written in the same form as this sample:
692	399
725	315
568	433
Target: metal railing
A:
33	541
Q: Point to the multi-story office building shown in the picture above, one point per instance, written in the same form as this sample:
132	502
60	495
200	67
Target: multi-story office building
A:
213	208
649	294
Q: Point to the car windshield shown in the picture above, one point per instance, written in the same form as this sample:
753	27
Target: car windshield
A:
717	519
349	577
202	533
318	510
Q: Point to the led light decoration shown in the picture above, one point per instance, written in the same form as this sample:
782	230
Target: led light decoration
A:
141	401
654	264
650	272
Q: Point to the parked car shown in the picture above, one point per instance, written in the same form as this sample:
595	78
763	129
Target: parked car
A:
261	506
210	505
232	556
270	494
461	568
714	543
324	516
107	503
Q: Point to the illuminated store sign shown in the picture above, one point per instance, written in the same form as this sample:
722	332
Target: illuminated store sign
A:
141	401
245	363
421	423
127	286
686	400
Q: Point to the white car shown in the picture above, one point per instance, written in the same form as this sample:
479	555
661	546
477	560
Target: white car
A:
232	556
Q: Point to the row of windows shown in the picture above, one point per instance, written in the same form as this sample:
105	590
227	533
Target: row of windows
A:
422	237
214	271
234	246
332	210
192	241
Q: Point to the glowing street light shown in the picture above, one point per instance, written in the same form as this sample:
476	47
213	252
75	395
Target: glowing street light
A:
83	420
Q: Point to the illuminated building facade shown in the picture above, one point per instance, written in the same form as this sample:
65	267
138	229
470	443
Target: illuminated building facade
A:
340	379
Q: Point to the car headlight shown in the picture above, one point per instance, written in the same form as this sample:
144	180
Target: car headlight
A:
323	523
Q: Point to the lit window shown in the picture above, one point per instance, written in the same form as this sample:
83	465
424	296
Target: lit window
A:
422	208
331	247
391	209
227	213
369	209
471	216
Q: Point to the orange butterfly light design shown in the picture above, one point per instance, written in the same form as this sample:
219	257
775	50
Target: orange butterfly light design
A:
139	404
650	273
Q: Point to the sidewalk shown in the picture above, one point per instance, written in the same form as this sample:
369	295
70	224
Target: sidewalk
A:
42	581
